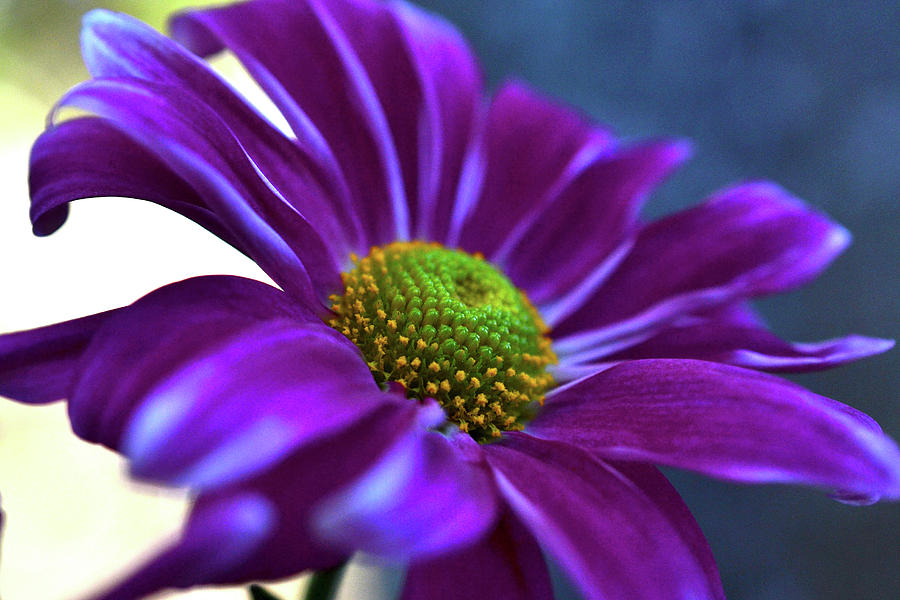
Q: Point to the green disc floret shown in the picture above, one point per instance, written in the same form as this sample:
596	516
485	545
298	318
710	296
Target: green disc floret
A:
448	325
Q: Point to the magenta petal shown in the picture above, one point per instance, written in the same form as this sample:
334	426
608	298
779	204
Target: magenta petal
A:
612	539
421	499
530	145
506	565
217	539
116	45
725	422
746	241
299	54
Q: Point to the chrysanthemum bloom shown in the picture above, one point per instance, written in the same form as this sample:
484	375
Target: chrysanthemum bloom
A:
477	350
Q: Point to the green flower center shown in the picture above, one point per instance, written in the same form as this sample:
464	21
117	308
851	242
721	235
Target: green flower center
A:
448	325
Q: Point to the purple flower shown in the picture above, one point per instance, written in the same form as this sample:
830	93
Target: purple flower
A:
478	349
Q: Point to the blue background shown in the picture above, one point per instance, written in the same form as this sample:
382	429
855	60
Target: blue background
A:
804	93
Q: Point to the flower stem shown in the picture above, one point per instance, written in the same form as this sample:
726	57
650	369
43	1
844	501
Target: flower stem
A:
323	585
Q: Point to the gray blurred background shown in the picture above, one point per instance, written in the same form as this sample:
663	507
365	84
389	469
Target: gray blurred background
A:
806	94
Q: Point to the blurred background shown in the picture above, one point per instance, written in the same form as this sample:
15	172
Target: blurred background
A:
806	95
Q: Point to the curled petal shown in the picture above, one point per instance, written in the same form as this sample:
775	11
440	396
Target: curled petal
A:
725	422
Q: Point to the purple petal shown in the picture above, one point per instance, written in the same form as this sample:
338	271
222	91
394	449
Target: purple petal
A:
218	538
141	344
725	422
588	219
300	56
197	145
749	240
115	46
88	158
723	338
506	565
39	365
451	83
422	498
530	146
667	499
612	539
246	402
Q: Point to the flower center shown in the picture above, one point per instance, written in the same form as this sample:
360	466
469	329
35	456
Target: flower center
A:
449	326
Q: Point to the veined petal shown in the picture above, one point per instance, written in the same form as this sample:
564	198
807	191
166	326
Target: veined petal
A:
140	345
197	145
422	498
300	56
506	565
116	46
725	422
749	240
605	531
529	145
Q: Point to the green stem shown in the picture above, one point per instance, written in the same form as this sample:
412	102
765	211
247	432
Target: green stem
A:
323	585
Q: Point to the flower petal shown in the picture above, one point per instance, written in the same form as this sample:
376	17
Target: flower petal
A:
218	538
719	337
38	366
146	341
451	83
725	422
198	145
588	219
530	146
610	537
422	498
116	46
300	56
506	565
89	158
746	241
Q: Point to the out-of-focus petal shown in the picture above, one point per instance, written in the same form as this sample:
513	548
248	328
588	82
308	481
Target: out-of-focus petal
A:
531	148
725	422
198	145
218	538
423	498
506	565
116	45
137	346
298	53
612	539
749	240
39	365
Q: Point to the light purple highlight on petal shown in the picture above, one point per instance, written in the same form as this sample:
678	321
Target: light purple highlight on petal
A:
418	501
